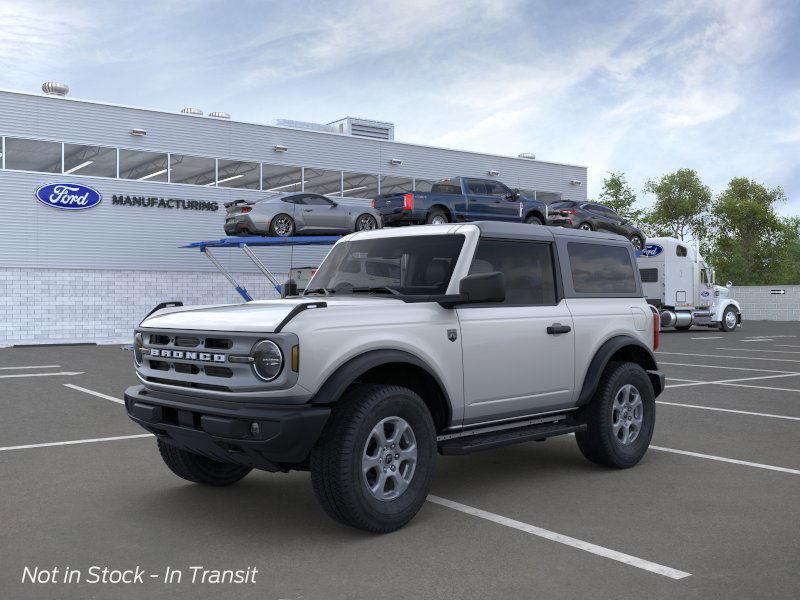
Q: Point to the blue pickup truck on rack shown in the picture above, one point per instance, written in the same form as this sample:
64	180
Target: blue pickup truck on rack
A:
461	199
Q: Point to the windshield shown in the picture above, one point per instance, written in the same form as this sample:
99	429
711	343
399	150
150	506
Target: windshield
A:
408	265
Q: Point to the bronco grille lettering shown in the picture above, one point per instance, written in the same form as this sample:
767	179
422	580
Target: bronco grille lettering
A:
201	356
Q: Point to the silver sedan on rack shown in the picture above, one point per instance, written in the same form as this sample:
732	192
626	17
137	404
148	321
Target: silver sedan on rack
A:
298	213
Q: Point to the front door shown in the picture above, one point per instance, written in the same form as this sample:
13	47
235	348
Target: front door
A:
322	214
513	366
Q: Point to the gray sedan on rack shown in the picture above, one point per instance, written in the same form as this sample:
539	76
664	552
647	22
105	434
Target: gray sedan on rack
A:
298	213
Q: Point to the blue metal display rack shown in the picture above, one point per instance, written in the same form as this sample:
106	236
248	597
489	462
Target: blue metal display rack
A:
245	243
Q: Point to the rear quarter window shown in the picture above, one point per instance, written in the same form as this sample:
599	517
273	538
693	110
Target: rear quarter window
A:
602	269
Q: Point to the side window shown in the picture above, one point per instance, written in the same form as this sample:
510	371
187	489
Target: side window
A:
293	200
495	188
601	269
476	186
681	251
526	266
446	186
316	200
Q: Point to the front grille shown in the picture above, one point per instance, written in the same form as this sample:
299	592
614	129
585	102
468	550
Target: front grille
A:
188	384
187	342
218	343
159	340
214	371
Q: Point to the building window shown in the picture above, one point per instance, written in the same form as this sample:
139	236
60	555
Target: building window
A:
144	166
396	185
237	174
359	185
194	170
321	181
96	161
33	155
423	185
280	178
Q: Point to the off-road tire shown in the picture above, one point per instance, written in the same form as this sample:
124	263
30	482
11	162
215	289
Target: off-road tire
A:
436	212
272	230
336	471
723	325
200	469
533	220
598	443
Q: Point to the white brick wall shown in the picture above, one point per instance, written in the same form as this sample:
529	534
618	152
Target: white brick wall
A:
51	306
758	303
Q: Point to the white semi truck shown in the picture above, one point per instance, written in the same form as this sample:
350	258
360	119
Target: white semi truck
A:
678	282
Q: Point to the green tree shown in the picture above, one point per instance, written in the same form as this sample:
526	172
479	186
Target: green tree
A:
750	243
617	194
681	205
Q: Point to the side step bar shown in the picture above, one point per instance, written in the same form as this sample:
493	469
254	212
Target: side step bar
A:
496	439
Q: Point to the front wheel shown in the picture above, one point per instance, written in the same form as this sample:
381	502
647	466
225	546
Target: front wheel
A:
533	220
366	222
729	320
200	469
281	226
374	463
638	243
585	227
620	417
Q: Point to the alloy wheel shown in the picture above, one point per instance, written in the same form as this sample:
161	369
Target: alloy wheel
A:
366	223
627	415
389	458
439	220
730	319
585	227
282	226
637	242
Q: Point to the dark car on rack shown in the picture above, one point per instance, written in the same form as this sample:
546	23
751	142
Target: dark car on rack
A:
591	216
460	199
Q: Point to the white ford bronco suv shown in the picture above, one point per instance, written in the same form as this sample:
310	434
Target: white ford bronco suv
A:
407	342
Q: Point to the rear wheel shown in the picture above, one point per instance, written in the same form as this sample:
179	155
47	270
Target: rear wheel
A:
366	222
533	220
373	466
200	469
586	227
620	417
638	242
281	226
437	216
729	320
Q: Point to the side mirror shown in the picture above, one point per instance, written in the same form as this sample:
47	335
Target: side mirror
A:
289	288
334	204
729	285
483	287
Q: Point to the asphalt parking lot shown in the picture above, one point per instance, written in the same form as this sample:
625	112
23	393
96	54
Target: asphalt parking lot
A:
711	512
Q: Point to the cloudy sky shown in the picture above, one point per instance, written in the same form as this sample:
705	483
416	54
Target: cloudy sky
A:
641	87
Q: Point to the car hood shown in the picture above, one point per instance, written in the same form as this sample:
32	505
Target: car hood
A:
259	316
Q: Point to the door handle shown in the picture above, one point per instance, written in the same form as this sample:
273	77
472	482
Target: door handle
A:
308	210
557	328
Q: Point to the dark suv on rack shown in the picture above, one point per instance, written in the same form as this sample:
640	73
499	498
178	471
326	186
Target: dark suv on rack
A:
591	216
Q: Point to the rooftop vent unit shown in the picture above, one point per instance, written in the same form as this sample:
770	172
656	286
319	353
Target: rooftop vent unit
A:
51	88
192	111
303	125
527	155
376	130
219	115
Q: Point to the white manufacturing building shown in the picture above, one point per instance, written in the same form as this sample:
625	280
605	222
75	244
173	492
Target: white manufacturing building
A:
72	276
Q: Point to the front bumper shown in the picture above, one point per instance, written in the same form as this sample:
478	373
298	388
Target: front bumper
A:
560	222
284	436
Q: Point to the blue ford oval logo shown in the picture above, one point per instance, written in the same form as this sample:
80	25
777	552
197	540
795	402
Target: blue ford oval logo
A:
651	250
68	196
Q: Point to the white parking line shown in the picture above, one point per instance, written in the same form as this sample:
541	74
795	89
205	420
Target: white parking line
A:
761	387
759	350
726	460
758	340
721	356
40	374
562	539
787	346
710	337
93	393
729	410
31	367
731	381
672	364
72	442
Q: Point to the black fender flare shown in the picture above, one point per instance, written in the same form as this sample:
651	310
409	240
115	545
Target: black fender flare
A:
603	355
347	373
537	213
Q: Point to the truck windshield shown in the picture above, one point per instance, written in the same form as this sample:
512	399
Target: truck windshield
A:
407	265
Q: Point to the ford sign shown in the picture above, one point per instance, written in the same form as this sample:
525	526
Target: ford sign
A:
68	196
651	250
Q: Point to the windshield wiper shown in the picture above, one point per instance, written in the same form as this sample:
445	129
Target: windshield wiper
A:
325	291
375	290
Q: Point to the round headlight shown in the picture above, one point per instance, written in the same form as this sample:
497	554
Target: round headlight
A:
138	343
268	360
